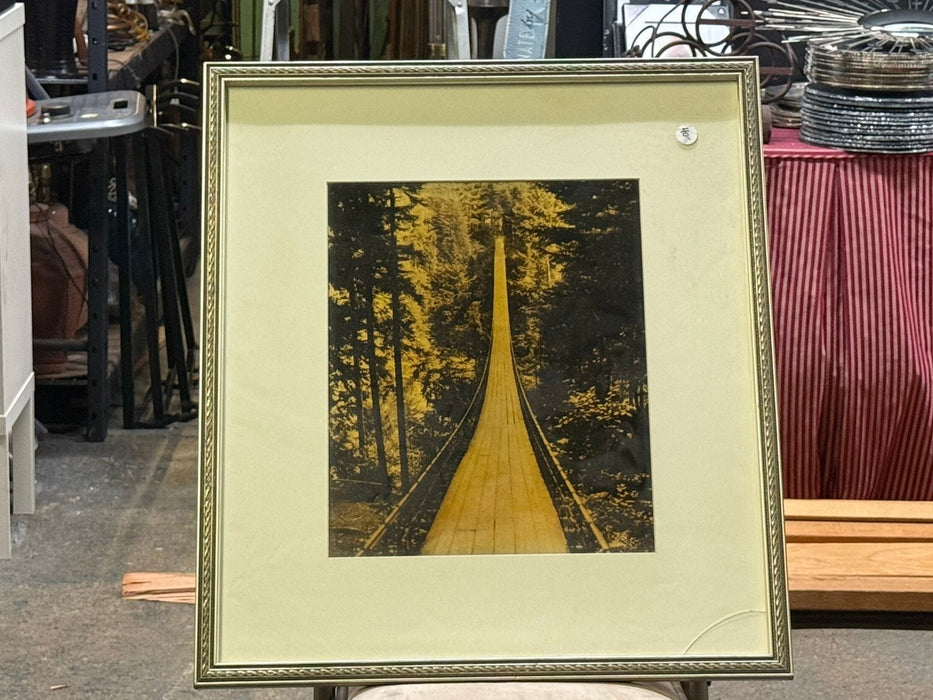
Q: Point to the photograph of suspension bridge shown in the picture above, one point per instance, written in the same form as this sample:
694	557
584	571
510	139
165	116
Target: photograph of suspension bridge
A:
488	384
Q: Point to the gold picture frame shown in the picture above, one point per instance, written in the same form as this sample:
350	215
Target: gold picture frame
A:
706	595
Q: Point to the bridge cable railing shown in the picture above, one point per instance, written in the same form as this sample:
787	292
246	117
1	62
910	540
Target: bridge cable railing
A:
406	527
580	530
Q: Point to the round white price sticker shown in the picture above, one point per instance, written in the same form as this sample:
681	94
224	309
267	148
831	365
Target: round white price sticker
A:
687	134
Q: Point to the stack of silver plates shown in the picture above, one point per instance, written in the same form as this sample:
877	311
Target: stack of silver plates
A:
878	122
834	63
785	104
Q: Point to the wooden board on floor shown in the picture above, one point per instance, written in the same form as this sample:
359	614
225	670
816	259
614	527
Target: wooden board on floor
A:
878	559
862	594
860	555
826	531
162	587
858	511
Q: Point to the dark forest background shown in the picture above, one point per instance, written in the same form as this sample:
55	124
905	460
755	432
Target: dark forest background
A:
410	291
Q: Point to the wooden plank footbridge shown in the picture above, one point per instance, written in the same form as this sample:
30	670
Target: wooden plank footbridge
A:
496	486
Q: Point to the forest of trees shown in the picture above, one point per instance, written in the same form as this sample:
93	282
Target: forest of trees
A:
410	275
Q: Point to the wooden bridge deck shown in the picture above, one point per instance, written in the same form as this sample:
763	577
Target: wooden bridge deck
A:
497	502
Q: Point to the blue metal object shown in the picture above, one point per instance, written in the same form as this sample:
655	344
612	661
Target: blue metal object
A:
527	29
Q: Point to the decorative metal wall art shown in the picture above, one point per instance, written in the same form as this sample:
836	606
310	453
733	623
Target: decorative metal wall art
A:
702	28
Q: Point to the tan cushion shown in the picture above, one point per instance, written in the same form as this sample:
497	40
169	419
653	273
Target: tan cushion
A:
526	690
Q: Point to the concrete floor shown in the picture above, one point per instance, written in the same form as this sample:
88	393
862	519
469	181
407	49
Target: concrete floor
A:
130	504
104	509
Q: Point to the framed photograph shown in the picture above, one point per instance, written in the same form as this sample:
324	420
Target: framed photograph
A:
487	384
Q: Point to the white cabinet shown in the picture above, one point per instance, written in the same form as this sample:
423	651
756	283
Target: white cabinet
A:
16	378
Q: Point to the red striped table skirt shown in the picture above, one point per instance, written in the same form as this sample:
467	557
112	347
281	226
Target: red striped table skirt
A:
852	277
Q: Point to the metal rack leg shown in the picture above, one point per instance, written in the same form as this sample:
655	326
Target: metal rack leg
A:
97	45
98	394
